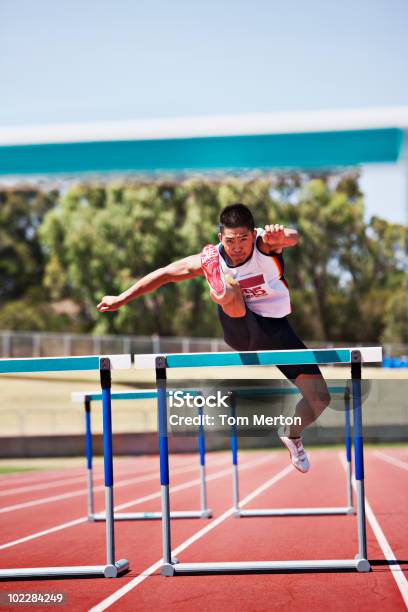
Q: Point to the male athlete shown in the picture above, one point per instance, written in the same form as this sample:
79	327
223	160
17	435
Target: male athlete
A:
245	273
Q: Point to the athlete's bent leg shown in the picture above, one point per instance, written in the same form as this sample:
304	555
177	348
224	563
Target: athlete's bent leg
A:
315	398
224	290
232	302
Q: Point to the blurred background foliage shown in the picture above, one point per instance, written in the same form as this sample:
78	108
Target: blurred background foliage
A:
62	249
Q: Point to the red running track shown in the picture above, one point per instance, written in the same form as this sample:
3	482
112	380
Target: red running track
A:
261	538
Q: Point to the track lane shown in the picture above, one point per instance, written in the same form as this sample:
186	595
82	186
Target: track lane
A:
278	538
138	541
387	492
37	518
241	537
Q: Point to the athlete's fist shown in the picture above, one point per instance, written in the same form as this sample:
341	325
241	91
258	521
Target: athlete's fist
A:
109	303
274	235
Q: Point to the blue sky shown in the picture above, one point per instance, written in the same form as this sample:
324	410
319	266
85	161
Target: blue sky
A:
85	61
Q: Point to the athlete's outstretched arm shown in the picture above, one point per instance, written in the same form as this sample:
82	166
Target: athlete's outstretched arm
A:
276	237
180	270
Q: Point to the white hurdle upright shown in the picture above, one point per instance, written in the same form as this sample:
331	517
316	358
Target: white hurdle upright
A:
312	511
87	397
353	356
104	364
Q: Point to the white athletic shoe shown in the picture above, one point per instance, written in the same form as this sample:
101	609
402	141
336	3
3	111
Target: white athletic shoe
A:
210	264
297	453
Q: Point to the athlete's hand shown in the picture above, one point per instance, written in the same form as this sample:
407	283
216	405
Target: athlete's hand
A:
109	303
274	235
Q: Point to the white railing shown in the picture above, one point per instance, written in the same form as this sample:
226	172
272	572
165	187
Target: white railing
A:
41	344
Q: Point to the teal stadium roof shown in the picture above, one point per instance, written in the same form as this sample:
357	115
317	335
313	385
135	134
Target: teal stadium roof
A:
307	140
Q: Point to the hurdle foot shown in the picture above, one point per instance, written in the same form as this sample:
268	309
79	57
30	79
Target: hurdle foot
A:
362	564
206	513
351	510
113	571
167	569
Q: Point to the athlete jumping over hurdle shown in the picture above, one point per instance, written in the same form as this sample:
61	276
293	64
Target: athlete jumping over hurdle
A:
245	273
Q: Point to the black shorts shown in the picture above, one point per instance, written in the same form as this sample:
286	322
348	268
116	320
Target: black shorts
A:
255	333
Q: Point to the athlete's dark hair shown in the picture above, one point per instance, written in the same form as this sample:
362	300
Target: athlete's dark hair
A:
236	215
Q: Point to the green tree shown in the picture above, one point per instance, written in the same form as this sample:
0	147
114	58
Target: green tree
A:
21	257
346	276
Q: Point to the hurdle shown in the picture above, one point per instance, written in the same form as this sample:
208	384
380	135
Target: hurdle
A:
104	364
352	356
90	396
313	511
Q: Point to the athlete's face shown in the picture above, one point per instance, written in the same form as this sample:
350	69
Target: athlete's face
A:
238	243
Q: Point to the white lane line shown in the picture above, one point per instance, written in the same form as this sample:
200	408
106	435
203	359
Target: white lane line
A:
34	476
71	494
392	460
175	489
44	485
43	475
79	492
106	603
62	482
395	569
39	534
138	464
192	483
53	478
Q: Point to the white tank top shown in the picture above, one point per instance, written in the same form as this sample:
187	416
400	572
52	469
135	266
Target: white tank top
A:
261	279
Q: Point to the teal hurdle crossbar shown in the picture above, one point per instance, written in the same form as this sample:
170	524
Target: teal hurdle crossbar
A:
260	358
313	511
104	364
140	394
352	356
